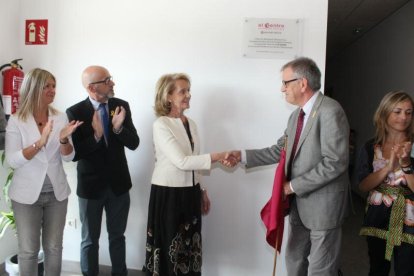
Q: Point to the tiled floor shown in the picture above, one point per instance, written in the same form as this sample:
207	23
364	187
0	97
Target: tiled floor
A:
354	260
75	274
104	272
130	273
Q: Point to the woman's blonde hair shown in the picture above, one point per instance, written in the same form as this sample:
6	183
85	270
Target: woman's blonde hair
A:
31	92
384	110
165	86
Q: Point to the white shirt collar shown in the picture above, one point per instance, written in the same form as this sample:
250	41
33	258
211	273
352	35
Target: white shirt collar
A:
307	108
95	104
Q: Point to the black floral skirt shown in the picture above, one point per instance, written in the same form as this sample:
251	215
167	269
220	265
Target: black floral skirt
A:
174	231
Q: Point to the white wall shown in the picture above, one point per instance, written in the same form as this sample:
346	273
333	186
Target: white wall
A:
235	101
379	62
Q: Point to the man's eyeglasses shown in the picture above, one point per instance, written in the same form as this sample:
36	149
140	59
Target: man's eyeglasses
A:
285	83
107	80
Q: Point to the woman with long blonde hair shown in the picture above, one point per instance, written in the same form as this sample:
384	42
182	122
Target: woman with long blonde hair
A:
38	138
386	171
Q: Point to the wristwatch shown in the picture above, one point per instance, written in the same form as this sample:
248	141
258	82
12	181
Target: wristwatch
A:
408	170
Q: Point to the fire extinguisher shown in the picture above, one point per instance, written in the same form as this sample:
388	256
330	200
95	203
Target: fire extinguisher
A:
12	80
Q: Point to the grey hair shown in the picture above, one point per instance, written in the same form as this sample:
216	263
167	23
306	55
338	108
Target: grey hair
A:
304	67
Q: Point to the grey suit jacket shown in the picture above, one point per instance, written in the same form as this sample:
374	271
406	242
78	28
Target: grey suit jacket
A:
319	174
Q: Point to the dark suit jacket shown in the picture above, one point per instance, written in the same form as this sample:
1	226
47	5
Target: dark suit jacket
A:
100	166
320	167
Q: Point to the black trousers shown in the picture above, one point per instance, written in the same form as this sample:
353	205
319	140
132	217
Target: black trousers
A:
379	266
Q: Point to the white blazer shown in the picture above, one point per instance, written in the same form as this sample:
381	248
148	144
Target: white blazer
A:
174	159
29	175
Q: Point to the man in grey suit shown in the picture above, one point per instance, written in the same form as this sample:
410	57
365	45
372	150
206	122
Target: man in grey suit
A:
317	178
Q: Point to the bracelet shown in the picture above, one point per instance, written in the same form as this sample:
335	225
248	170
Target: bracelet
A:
408	170
36	147
64	142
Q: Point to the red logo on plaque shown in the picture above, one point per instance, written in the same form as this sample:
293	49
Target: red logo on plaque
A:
36	32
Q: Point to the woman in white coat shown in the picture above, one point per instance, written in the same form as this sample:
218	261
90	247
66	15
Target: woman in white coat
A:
37	140
177	200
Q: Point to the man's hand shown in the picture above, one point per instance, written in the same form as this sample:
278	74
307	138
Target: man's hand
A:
231	159
118	118
286	189
97	125
69	129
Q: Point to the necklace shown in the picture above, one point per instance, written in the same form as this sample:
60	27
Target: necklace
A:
40	123
41	118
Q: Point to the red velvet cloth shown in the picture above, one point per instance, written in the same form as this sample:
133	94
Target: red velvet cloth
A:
273	213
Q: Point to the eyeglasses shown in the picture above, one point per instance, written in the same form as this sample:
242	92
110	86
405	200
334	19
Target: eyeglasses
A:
285	83
107	80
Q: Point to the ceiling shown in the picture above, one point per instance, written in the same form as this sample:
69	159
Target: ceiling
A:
348	20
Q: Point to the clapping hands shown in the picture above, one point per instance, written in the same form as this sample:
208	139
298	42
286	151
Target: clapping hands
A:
402	153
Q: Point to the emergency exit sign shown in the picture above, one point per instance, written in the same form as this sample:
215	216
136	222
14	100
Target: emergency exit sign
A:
36	32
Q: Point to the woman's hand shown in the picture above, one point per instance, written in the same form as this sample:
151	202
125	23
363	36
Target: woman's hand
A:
403	154
45	134
231	159
205	202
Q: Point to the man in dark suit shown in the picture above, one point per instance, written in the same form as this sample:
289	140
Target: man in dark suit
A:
103	176
317	171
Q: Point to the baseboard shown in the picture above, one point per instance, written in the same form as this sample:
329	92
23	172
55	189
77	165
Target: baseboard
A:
71	266
74	267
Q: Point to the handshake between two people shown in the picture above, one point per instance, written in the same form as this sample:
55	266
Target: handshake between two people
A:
229	159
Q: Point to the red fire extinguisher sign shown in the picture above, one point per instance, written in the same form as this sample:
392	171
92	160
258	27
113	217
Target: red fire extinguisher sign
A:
36	32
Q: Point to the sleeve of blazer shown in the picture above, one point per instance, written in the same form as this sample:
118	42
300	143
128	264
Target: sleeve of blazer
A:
333	157
14	144
83	138
128	136
167	142
266	156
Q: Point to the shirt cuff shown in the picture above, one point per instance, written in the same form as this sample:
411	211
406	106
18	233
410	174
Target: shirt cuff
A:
291	188
243	157
97	139
118	131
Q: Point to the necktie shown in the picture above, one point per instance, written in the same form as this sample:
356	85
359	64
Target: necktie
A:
105	121
296	141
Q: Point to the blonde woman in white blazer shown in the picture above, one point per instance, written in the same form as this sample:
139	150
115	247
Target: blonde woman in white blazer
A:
176	200
37	140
